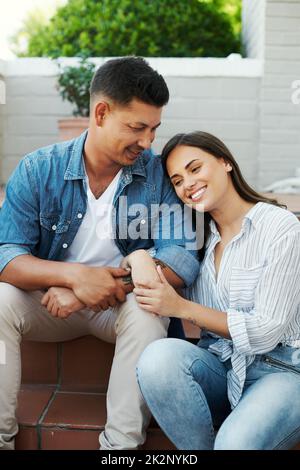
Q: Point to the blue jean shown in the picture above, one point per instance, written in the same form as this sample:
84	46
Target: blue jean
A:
185	387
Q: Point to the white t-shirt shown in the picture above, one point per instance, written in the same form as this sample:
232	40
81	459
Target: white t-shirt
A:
94	243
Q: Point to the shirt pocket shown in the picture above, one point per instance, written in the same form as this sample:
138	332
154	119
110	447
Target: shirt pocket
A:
243	284
54	223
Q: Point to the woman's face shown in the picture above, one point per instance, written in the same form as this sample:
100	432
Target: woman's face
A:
199	179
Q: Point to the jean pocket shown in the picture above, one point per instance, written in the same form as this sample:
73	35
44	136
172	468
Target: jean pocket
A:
287	359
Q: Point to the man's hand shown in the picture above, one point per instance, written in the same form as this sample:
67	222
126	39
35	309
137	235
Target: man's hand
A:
61	302
100	288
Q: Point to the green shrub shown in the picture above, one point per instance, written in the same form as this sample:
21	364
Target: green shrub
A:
73	86
149	28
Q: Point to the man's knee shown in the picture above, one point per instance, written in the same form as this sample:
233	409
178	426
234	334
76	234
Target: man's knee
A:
12	306
142	323
9	296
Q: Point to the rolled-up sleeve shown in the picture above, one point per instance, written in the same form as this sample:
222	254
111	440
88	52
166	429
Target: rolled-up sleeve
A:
19	216
276	303
181	261
173	237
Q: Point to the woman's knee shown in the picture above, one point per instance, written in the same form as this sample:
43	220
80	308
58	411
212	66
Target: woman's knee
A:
163	361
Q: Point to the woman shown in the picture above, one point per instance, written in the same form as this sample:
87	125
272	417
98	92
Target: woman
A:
243	377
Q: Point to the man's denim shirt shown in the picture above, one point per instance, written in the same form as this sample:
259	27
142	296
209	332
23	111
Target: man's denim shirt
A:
46	200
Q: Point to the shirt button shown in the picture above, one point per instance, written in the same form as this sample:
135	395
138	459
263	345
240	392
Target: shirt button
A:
65	245
54	227
143	221
79	216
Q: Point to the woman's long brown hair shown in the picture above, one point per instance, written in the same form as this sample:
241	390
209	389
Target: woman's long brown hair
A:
214	146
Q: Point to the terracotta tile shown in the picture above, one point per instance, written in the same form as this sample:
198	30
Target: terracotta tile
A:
157	440
297	447
69	439
32	402
77	410
27	439
39	362
86	364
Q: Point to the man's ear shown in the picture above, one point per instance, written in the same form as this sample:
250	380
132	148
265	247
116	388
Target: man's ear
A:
100	112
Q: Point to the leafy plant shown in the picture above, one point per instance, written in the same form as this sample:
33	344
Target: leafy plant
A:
157	28
74	83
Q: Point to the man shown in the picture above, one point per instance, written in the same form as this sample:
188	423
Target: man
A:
60	277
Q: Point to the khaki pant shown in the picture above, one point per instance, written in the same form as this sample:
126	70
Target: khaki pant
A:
131	328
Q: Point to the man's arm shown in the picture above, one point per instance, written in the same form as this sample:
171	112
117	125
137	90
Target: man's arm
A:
30	273
94	287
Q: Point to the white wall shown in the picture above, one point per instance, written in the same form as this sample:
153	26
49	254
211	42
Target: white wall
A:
279	152
253	27
2	73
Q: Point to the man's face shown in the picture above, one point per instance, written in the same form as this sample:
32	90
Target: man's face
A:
127	130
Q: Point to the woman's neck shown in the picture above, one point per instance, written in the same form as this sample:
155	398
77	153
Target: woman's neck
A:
230	213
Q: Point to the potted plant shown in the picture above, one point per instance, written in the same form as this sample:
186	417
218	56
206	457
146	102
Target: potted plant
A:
73	86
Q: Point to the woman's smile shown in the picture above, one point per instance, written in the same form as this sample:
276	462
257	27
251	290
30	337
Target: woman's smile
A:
198	194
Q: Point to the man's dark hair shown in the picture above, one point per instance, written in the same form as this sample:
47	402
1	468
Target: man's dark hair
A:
127	78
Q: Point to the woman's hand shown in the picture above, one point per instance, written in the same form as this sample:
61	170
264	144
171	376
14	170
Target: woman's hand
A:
159	297
142	267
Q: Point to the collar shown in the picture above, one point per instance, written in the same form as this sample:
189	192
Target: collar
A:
76	171
252	218
138	168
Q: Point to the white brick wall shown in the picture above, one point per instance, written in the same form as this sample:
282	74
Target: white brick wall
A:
279	149
2	107
30	117
253	14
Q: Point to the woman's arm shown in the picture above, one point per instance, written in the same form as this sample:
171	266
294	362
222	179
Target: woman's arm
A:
162	299
143	269
206	318
141	266
276	303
